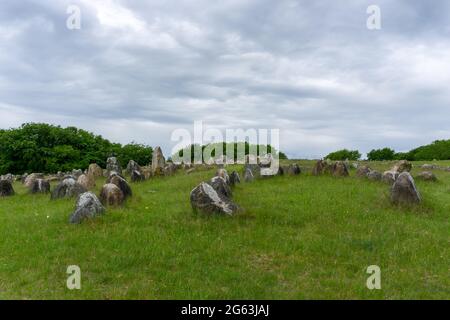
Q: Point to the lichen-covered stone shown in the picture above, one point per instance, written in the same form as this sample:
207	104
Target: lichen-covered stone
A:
205	199
88	206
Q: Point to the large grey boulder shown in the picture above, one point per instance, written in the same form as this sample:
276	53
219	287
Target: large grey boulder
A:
404	190
221	186
6	188
205	199
158	162
88	206
113	165
67	188
40	186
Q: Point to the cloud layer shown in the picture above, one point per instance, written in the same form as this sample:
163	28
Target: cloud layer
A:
137	71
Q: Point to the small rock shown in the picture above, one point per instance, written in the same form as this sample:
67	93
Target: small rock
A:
67	188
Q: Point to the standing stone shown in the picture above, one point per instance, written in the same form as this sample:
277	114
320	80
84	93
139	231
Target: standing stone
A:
254	168
390	177
30	179
374	175
111	195
427	176
169	169
87	181
362	171
6	188
339	169
40	186
402	166
293	170
77	173
220	185
404	190
133	166
137	176
234	178
95	170
9	177
205	199
67	188
223	173
147	172
319	168
87	206
248	175
121	183
158	162
113	165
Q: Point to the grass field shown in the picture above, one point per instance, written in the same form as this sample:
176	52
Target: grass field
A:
299	237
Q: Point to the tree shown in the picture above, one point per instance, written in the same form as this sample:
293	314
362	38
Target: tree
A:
344	154
381	154
40	147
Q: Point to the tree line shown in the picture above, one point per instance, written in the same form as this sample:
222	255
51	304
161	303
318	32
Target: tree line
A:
438	150
40	147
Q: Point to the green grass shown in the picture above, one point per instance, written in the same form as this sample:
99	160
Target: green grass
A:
300	237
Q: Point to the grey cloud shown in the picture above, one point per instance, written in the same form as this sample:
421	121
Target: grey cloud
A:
138	70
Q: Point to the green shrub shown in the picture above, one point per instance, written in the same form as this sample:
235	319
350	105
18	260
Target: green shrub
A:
344	154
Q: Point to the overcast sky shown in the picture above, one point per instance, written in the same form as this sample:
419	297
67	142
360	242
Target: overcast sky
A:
137	70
